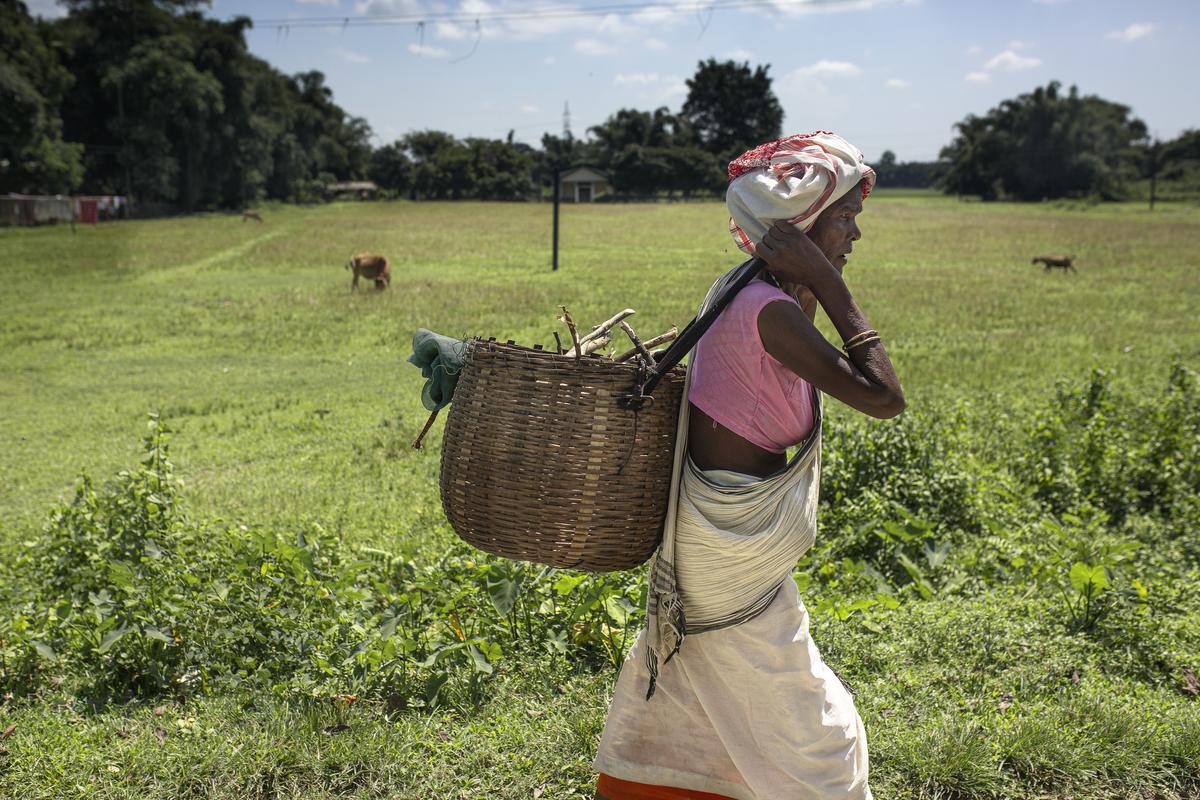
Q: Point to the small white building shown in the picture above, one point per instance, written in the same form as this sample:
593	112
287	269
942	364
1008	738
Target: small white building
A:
582	184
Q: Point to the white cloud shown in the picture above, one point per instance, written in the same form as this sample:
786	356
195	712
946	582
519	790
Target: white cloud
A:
450	31
793	8
655	44
896	83
330	3
675	87
1009	61
374	8
828	69
636	79
974	50
1017	44
811	79
529	108
351	56
593	47
1138	30
740	54
977	77
427	51
666	15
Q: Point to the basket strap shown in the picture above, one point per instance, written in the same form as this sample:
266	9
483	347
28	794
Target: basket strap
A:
698	326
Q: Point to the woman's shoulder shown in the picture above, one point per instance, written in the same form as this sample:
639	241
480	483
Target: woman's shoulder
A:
758	293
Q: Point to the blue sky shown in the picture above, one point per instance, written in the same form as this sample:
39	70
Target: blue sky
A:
886	74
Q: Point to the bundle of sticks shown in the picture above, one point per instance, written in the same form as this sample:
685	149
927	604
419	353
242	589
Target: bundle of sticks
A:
601	337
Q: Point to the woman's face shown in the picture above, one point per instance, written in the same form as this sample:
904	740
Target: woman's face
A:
836	229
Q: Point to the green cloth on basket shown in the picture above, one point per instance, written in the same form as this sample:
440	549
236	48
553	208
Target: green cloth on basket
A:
441	360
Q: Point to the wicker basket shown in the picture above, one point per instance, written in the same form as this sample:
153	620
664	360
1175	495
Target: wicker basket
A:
541	462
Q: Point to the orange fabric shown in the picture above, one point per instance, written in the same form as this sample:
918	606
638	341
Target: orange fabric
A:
611	788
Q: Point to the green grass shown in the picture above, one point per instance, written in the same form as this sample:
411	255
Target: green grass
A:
293	406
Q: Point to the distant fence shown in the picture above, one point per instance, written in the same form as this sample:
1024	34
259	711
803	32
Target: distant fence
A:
28	209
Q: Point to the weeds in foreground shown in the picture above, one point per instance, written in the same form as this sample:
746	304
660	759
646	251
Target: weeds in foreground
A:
124	595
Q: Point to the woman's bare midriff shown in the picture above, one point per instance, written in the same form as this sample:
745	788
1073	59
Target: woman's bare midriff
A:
713	446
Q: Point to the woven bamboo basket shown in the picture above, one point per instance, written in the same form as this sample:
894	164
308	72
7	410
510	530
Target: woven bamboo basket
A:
542	462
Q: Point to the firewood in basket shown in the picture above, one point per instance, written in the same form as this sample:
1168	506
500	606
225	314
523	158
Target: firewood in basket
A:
637	343
662	338
602	330
592	345
570	323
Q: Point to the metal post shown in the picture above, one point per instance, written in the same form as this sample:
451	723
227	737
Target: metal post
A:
1153	171
554	263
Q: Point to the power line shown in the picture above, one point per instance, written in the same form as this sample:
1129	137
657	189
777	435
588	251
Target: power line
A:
453	17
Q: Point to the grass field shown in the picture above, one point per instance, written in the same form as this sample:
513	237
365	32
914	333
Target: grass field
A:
293	407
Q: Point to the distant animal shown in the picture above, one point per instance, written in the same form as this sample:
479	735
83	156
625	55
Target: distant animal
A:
1062	262
250	213
372	267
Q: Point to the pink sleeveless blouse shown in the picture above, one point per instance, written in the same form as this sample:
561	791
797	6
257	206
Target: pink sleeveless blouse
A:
743	387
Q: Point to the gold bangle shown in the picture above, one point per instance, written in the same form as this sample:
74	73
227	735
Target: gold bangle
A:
868	340
853	340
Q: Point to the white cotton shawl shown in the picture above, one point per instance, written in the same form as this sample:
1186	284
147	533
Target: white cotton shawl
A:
795	178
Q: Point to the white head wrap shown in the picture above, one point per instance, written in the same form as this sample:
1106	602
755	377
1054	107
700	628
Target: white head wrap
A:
795	178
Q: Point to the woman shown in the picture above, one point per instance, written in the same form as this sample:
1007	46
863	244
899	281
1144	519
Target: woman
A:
748	709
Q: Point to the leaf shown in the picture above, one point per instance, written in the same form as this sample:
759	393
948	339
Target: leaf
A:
479	660
503	594
433	685
802	579
492	650
220	590
1088	580
618	609
918	577
44	650
151	632
111	638
456	626
436	655
935	556
556	642
120	574
568	583
388	625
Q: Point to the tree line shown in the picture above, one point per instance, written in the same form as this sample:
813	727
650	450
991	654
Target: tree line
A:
155	100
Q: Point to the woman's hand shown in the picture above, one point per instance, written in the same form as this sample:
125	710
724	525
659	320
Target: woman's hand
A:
792	257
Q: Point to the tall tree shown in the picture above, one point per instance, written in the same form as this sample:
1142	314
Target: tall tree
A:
731	108
33	82
165	106
391	168
1044	145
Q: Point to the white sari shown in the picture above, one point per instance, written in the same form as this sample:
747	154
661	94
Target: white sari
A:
745	707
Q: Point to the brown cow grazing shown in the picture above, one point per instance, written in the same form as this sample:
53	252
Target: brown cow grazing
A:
371	267
250	213
1062	262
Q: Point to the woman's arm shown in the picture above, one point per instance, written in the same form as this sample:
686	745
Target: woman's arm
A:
866	380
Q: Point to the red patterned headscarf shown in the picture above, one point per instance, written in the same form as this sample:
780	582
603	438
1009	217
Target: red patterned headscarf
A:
794	178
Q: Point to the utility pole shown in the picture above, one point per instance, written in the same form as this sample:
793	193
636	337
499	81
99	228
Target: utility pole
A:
1153	170
554	262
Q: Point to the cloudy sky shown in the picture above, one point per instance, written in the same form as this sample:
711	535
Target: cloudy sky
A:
886	74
